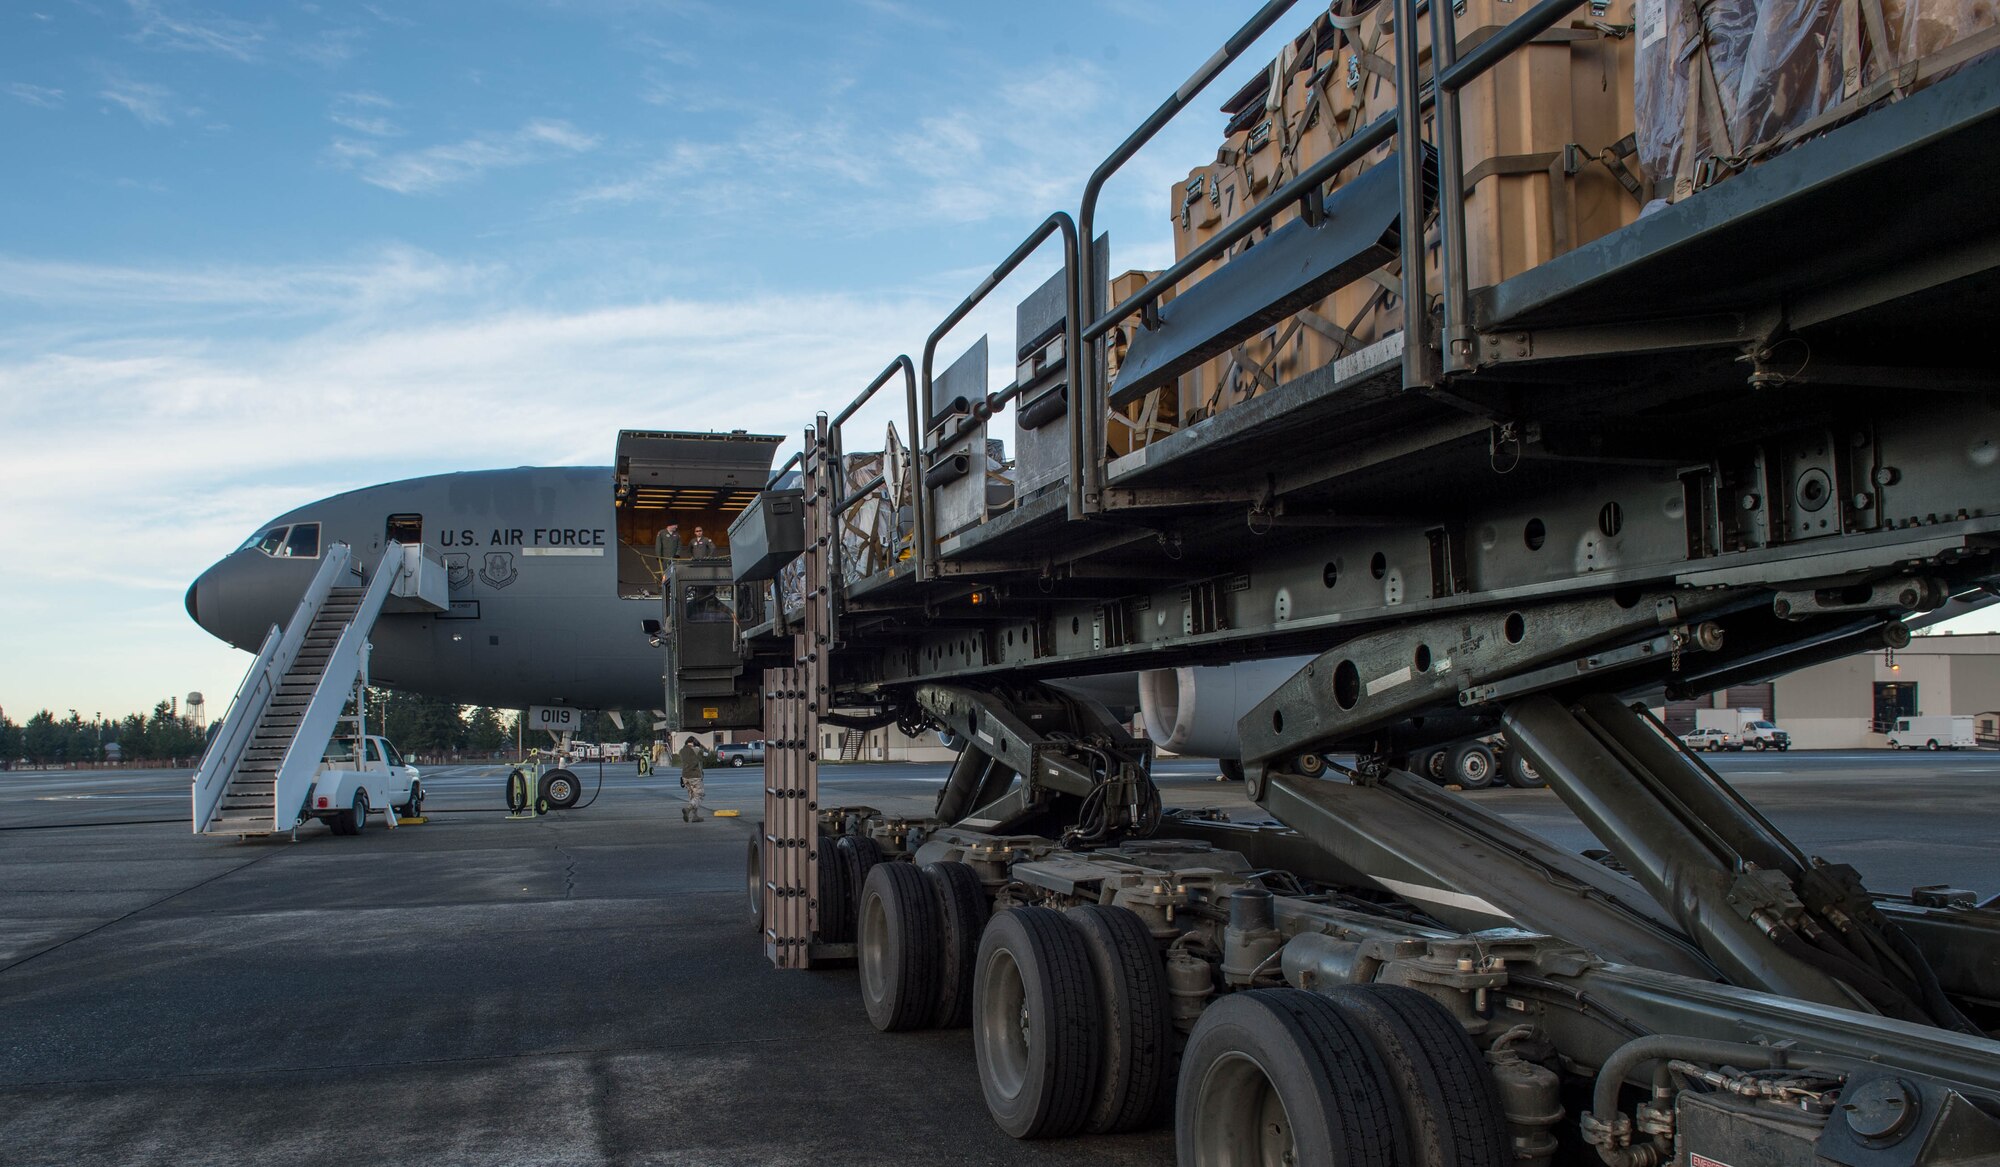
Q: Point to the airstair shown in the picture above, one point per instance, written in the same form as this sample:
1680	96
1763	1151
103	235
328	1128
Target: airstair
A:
259	769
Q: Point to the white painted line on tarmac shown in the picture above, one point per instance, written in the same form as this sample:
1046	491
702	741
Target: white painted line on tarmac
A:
93	797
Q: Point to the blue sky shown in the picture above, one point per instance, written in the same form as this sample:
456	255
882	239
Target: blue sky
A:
253	254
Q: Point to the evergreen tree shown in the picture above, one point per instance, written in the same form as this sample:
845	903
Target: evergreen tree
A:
485	732
41	738
10	738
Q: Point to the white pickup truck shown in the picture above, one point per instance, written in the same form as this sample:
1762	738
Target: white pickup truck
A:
350	785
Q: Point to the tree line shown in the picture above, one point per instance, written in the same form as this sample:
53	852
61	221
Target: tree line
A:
166	735
417	724
432	725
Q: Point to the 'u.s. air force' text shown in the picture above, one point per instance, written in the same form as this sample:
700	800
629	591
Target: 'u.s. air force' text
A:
525	537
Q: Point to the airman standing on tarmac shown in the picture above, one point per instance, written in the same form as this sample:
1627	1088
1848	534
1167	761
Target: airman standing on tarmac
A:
691	779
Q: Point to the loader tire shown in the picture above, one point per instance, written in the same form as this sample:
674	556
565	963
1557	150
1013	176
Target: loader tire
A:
896	945
1135	1078
962	914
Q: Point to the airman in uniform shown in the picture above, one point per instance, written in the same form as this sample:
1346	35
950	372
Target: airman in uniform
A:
691	779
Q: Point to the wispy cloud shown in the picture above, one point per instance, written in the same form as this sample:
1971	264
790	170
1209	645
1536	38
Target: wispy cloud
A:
1018	146
40	95
907	13
363	113
330	47
391	18
430	169
394	277
166	26
151	104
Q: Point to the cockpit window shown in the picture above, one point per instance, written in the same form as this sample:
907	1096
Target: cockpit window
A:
302	543
293	541
269	541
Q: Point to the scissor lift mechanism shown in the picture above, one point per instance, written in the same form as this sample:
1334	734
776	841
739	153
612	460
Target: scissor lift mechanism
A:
1750	432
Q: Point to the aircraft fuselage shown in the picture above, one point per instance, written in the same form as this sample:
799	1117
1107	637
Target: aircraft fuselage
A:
533	557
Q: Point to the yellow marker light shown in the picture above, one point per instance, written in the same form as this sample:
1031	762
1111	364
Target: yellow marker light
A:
727	814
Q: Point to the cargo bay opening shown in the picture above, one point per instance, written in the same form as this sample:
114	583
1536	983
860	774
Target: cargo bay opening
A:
692	481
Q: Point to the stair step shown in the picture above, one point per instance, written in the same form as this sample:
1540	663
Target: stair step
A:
245	825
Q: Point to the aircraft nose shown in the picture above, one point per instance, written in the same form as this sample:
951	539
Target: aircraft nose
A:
194	612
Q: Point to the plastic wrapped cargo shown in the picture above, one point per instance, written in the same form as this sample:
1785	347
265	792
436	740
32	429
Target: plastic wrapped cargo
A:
1724	83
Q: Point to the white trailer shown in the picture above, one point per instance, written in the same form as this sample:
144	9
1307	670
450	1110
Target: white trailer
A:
1932	733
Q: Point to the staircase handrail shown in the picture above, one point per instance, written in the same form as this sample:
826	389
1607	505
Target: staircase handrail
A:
300	764
211	778
253	696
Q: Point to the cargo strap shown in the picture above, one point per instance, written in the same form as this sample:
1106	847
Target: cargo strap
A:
1855	16
1346	341
1704	103
1555	164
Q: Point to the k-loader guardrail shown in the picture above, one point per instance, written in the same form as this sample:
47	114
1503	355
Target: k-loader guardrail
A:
1751	429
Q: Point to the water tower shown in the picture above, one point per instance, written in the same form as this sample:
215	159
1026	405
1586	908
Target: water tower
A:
197	709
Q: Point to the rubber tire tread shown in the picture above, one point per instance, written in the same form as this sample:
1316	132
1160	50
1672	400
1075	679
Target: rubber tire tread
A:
575	788
1517	777
859	854
357	822
1451	1108
1055	972
836	895
910	975
962	914
1359	1124
1136	1059
1454	771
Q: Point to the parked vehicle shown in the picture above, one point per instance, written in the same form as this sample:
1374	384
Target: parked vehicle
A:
358	778
1749	727
1711	739
740	754
1932	733
1762	735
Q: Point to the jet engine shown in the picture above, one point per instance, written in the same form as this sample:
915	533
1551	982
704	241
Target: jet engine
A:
1194	710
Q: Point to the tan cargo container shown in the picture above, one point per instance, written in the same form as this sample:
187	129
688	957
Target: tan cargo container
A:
1546	140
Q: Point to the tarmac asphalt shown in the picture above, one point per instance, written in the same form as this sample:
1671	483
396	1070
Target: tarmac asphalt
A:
581	989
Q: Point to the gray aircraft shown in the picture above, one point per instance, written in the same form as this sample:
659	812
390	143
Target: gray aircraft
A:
554	570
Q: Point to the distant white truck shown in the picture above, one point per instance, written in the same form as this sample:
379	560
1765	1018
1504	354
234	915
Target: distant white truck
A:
1749	727
354	783
1932	733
